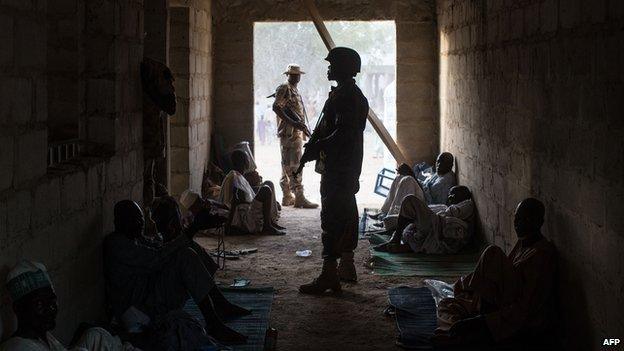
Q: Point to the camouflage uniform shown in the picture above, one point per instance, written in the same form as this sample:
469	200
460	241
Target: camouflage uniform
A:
291	139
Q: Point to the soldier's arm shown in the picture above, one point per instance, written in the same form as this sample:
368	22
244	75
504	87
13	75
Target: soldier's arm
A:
279	106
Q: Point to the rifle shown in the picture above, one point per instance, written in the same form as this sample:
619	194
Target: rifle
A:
307	153
293	116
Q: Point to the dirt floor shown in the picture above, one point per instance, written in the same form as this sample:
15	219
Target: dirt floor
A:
352	321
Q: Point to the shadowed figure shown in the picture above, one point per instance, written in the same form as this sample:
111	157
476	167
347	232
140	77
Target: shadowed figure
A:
159	101
157	278
36	308
337	145
507	297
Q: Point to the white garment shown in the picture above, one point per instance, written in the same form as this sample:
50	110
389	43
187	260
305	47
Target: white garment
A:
437	187
442	229
400	188
94	339
248	215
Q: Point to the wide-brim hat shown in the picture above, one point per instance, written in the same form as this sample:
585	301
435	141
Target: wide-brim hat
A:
294	68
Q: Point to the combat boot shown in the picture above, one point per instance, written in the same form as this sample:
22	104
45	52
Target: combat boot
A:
327	280
302	202
346	268
288	199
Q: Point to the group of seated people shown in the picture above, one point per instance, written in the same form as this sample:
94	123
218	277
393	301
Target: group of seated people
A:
153	267
150	276
507	298
432	216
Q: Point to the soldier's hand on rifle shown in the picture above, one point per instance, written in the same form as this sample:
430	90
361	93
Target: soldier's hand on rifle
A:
302	127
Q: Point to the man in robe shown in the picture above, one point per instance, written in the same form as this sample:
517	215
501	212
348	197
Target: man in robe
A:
337	144
151	282
35	305
433	229
255	212
433	190
507	297
292	131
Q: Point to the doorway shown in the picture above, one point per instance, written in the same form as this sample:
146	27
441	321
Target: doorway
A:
277	44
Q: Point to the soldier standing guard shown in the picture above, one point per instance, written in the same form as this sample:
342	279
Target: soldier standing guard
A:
337	144
292	130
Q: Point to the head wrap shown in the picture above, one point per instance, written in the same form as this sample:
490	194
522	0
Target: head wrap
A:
26	277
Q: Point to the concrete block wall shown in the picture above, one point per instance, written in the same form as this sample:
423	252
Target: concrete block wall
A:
59	216
191	63
531	105
64	27
417	103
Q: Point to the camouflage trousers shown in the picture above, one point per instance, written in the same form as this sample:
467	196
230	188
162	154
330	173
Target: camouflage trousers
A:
291	149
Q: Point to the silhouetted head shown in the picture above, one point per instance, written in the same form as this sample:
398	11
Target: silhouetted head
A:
37	311
129	218
166	215
458	194
34	300
444	163
294	78
239	161
157	81
529	217
344	63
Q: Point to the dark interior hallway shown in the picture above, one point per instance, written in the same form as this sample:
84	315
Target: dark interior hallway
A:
527	95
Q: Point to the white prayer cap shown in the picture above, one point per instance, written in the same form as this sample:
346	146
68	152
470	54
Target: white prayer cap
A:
188	198
294	68
25	277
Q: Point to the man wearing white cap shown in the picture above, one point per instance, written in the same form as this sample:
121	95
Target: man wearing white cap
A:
34	303
292	130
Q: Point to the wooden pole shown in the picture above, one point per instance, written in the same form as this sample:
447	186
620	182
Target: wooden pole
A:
372	116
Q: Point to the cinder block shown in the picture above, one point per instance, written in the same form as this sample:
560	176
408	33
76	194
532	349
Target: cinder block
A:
73	192
19	212
31	156
6	37
47	203
6	162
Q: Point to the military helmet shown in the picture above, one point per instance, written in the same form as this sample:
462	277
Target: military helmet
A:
345	60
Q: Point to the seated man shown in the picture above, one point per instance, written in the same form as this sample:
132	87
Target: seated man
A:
155	281
168	221
507	296
437	187
433	190
34	303
403	185
254	212
434	229
209	213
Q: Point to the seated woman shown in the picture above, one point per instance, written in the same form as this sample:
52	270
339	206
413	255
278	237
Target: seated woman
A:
255	212
433	190
436	229
34	304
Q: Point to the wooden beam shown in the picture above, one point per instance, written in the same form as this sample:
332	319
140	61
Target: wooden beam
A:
372	116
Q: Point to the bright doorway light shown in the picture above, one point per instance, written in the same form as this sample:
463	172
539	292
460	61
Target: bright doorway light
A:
276	44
